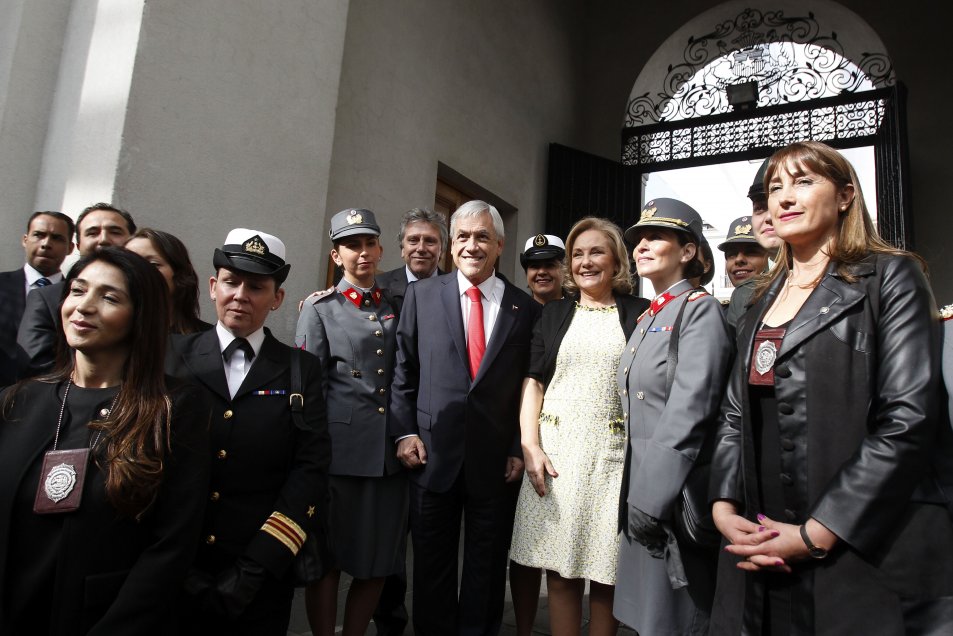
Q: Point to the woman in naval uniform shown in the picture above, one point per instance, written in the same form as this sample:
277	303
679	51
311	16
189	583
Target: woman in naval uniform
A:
103	465
830	463
351	329
664	585
270	446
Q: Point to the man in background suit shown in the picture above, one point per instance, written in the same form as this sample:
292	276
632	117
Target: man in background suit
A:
423	238
462	353
98	226
47	243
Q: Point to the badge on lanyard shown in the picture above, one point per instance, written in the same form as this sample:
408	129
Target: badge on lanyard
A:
767	341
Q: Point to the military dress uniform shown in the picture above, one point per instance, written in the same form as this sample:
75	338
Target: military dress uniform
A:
665	436
741	231
268	485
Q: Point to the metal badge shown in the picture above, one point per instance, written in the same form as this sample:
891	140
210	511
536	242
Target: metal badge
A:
765	356
60	482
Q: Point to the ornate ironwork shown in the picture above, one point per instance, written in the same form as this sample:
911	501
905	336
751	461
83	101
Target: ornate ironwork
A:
789	57
846	120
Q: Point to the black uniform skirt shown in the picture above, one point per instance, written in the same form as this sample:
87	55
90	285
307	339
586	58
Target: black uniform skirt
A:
368	524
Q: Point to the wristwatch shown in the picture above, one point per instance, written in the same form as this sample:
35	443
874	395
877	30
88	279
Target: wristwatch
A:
815	551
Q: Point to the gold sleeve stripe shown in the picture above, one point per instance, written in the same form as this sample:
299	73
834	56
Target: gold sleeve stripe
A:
285	530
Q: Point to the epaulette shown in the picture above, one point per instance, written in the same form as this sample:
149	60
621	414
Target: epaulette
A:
315	297
695	295
946	313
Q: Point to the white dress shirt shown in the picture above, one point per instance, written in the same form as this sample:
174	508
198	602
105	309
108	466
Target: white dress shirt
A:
238	367
32	276
411	277
491	293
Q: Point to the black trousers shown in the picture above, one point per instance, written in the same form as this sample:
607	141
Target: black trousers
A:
435	520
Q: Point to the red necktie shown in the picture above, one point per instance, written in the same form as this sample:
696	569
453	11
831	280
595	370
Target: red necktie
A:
476	341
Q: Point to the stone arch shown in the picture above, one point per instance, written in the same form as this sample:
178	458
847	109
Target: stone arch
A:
844	52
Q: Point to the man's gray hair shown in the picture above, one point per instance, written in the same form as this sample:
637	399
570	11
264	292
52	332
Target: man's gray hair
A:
471	209
424	215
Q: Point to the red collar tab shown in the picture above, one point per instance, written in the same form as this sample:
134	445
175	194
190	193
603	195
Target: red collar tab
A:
357	297
660	301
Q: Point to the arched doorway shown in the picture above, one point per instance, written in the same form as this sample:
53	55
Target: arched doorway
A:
813	70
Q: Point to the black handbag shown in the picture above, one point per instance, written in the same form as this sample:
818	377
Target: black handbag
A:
311	562
693	523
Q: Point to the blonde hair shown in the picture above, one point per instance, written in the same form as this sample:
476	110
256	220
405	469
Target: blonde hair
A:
856	235
622	279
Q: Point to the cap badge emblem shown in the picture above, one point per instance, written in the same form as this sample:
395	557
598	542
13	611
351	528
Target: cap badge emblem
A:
540	240
255	245
743	229
648	213
354	217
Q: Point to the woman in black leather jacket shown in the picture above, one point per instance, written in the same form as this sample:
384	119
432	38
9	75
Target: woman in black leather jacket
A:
822	477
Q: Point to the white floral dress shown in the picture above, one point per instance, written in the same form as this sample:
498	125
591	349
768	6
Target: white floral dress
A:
573	530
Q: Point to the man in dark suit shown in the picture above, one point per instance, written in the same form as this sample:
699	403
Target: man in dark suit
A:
269	477
98	226
462	353
423	238
47	243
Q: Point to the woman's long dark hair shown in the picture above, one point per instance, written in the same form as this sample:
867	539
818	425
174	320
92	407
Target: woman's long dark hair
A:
185	282
136	434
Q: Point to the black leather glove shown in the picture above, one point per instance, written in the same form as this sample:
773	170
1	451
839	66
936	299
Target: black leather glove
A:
647	530
198	584
236	587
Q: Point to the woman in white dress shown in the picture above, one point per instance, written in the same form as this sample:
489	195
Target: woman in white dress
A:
571	430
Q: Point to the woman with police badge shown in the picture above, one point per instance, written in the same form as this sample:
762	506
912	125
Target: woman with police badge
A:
825	473
351	328
103	464
671	378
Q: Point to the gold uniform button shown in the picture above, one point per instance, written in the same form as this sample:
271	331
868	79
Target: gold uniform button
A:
372	318
367	303
228	414
380	372
215	496
640	395
380	352
378	333
210	539
633	349
221	454
380	410
625	391
382	390
642	332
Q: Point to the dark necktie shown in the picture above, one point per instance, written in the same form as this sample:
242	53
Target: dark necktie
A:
476	341
238	343
43	281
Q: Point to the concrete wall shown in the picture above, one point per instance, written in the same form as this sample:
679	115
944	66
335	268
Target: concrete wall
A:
31	42
483	86
621	36
230	124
